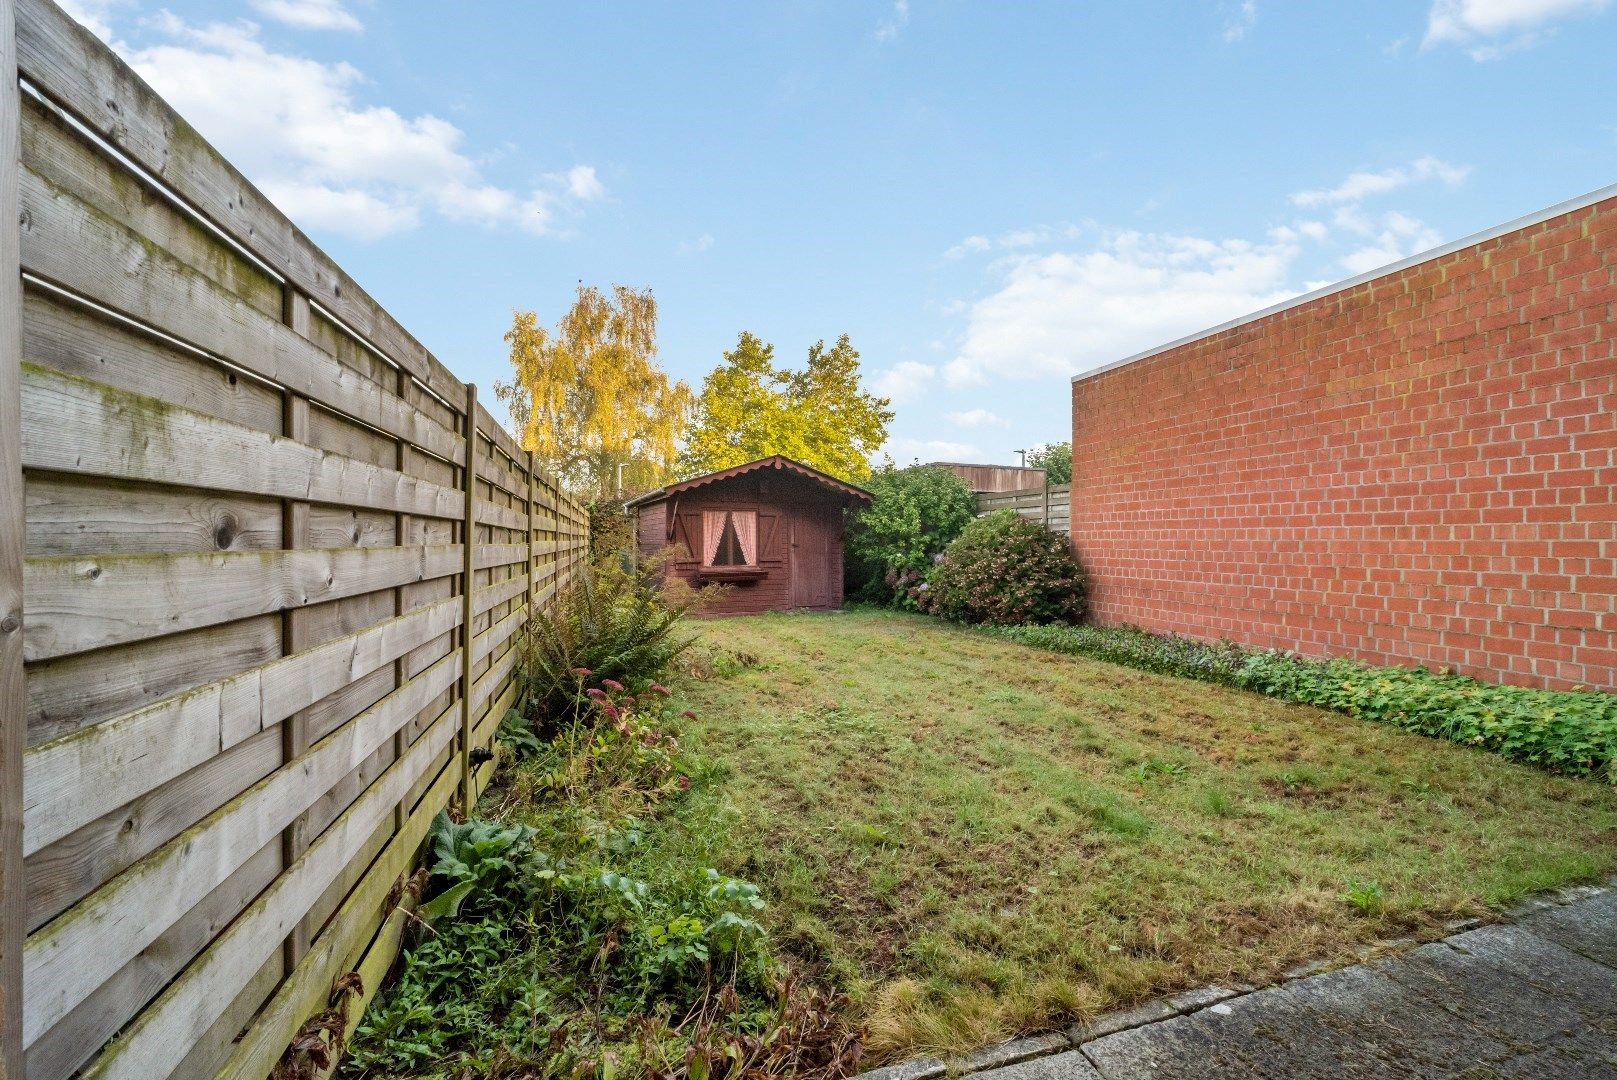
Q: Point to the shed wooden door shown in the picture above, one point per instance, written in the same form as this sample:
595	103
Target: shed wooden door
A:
811	561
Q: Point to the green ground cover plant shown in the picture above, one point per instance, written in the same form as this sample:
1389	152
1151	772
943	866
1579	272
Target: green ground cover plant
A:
1571	731
972	838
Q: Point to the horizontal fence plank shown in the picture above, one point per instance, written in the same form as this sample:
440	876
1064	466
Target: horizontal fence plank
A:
492	639
72	781
66	872
61	333
69	958
76	603
332	953
503	516
82	1032
79	515
70	161
488	556
73	425
73	246
191	1004
498	437
492	596
74	69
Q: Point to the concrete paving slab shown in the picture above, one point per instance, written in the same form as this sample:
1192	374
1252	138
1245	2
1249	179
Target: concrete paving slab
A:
927	1068
1009	1053
1200	998
1120	1020
1588	928
1368	1024
1279	1039
1177	1049
1510	983
1071	1065
1585	1054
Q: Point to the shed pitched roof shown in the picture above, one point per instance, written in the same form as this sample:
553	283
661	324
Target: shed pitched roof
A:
776	461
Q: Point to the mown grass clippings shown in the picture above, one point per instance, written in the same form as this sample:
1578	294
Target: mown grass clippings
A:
975	839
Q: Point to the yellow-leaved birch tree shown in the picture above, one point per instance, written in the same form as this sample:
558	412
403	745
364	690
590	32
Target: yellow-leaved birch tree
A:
588	397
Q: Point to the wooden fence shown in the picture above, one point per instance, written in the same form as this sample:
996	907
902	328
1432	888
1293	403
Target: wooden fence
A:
263	561
1050	506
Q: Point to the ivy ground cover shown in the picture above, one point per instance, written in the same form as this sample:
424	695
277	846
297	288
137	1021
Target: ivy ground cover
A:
974	838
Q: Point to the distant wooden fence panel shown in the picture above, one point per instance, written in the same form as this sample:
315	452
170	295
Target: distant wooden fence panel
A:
275	558
1049	506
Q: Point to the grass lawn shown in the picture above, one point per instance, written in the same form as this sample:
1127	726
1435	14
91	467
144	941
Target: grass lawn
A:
974	838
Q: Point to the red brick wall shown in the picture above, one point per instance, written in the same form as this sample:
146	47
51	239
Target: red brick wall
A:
1421	468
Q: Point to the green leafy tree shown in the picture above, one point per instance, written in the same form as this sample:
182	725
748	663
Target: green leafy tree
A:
917	512
820	415
1055	459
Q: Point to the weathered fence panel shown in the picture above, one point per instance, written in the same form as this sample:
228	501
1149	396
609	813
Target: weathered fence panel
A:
263	562
1050	506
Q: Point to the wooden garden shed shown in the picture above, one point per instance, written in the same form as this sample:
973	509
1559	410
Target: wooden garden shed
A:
771	528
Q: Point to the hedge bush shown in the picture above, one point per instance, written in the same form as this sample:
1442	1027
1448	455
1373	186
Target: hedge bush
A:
893	543
1004	570
1568	731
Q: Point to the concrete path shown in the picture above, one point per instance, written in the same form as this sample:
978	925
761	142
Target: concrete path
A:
1536	997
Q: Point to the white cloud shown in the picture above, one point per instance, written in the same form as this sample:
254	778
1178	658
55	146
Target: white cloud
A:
700	244
903	450
1362	185
1067	312
330	160
583	184
974	418
894	24
905	380
1488	29
1014	240
1400	237
1239	20
967	246
94	15
308	14
1062	312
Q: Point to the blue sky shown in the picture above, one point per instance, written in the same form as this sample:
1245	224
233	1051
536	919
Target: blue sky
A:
989	198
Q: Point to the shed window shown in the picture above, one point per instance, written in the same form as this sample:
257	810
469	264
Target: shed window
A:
729	538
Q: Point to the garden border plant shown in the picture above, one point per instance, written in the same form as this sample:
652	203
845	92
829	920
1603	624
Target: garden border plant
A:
1568	731
554	937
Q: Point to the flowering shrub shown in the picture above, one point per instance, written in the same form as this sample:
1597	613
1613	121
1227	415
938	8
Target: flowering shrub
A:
1006	570
1570	731
917	512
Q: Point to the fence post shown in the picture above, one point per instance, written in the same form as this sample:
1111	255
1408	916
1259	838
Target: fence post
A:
13	695
402	526
468	544
1046	500
533	605
294	622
